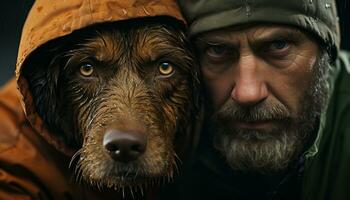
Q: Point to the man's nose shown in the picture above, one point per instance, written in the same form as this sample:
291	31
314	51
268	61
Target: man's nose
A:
249	86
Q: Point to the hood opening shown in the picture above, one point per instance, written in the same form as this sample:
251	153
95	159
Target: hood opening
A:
48	120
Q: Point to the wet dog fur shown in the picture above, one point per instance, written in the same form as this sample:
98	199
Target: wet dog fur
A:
125	91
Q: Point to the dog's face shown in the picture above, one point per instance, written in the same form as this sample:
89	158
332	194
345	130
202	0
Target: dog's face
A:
122	94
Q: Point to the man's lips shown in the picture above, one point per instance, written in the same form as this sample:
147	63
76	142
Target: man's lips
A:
254	125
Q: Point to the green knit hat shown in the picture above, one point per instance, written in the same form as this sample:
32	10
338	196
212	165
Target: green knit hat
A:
316	16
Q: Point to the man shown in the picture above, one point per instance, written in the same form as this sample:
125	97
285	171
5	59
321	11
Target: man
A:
277	100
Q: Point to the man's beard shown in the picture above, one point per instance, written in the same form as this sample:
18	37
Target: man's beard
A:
270	150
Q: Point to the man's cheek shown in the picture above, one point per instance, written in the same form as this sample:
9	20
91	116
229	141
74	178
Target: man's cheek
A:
218	90
289	89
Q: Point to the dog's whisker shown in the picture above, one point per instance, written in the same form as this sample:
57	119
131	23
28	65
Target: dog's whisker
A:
137	172
169	178
80	174
77	172
132	192
177	157
127	172
123	192
141	190
100	186
78	167
176	167
176	162
75	155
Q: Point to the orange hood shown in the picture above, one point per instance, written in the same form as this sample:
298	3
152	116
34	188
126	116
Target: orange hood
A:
51	19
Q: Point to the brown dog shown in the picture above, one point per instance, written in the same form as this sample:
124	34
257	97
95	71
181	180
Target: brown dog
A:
125	94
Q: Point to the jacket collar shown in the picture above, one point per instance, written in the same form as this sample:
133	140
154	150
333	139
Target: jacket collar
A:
314	148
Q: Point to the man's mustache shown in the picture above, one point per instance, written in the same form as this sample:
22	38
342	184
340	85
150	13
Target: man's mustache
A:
264	111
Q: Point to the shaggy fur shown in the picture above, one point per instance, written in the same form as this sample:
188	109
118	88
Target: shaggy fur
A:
126	90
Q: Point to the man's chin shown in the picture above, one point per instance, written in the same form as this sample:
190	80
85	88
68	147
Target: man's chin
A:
257	151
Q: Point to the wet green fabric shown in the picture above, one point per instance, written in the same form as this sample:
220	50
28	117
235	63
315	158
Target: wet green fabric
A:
316	16
327	174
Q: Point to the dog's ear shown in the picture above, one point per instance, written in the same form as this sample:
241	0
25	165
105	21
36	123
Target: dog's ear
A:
43	73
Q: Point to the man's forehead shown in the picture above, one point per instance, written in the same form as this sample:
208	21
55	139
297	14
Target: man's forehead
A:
252	31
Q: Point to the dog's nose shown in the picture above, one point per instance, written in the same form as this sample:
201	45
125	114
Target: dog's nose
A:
124	146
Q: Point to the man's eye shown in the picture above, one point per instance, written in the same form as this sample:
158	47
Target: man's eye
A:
278	45
217	51
86	69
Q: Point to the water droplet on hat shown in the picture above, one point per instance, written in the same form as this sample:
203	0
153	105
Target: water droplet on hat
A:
125	12
328	5
248	10
66	28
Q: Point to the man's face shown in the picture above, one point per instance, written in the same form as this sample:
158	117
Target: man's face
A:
266	88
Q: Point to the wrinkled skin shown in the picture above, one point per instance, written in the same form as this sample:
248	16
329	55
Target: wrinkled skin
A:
132	76
266	89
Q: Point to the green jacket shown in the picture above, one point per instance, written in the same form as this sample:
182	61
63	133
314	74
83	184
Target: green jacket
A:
327	167
323	173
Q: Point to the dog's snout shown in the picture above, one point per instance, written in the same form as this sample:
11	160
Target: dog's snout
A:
124	146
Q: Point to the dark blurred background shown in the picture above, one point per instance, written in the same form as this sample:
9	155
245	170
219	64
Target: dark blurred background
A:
14	12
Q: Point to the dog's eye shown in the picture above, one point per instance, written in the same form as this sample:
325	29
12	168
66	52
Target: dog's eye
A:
86	69
166	68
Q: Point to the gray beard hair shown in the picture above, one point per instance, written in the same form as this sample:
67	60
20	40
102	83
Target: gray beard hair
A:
271	151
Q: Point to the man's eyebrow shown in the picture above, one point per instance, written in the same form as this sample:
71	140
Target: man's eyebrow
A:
203	41
293	35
